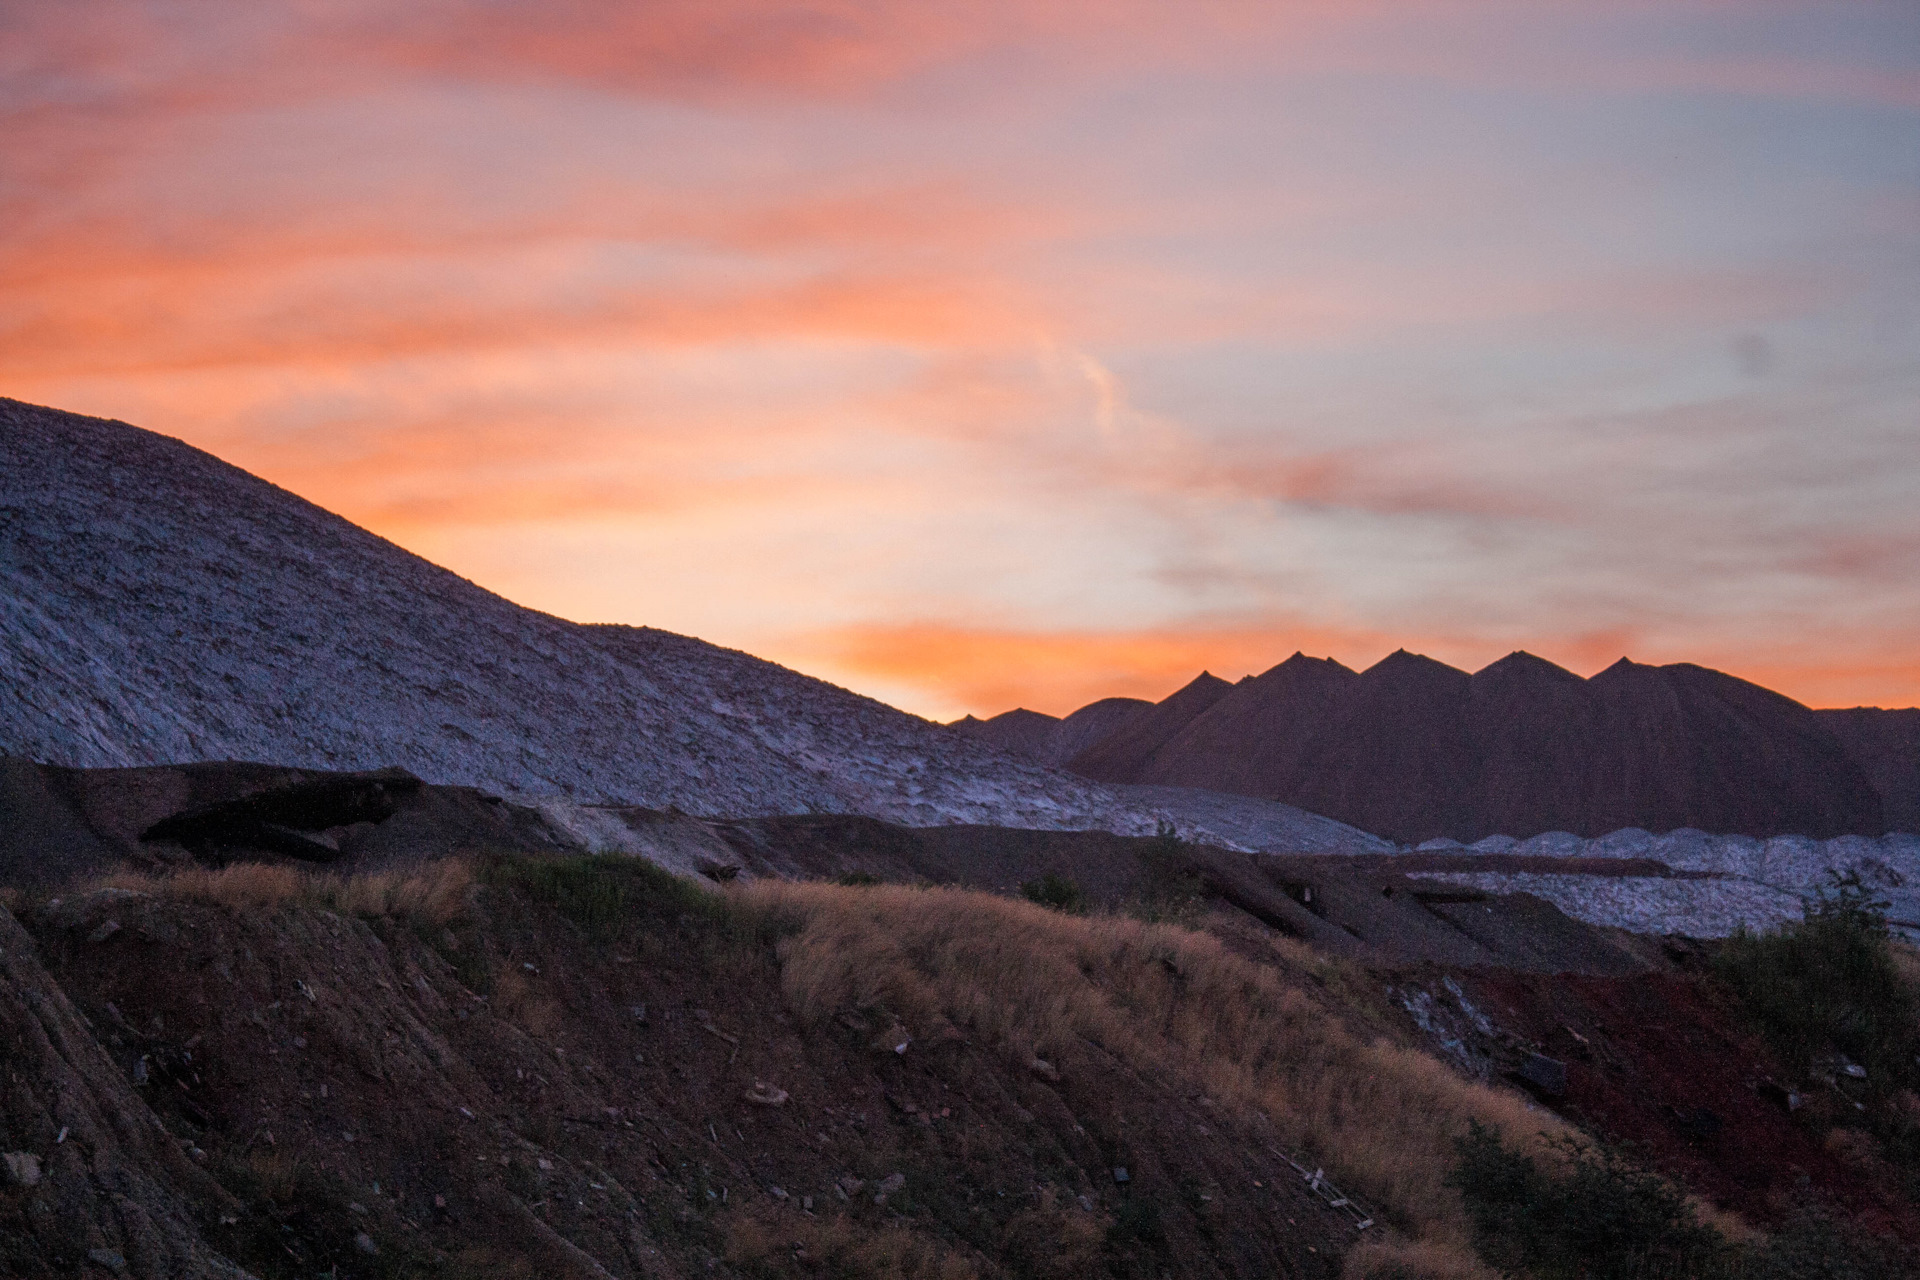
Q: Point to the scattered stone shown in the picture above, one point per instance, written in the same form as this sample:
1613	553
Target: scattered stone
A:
106	930
1546	1075
364	1243
776	1193
1044	1069
1120	1173
766	1095
1855	1070
107	1258
23	1168
806	1202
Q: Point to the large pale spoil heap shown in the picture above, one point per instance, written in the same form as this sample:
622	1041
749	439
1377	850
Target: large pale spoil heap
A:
159	606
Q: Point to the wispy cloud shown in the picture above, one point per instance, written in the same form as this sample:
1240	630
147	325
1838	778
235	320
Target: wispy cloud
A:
1133	338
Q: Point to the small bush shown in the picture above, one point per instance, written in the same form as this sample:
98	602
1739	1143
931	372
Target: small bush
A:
1829	984
1056	893
1605	1219
855	879
602	892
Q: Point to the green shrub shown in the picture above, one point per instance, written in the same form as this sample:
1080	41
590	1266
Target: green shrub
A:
856	879
1606	1220
1828	984
601	892
1056	893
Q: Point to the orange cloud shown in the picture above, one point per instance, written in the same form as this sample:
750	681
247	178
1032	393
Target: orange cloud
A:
981	671
987	671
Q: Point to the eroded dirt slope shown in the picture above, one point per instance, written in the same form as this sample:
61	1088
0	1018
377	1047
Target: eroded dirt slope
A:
516	1093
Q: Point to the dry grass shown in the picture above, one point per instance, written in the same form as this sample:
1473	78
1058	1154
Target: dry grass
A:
433	893
1168	1002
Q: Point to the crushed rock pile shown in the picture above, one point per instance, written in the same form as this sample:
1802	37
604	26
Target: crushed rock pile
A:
1742	882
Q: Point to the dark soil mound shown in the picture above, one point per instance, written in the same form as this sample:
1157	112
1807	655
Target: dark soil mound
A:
1019	732
1091	723
1684	746
1413	749
1129	750
1255	733
1887	745
60	825
1050	740
540	1086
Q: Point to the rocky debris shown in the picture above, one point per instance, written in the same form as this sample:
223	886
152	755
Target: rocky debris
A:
1725	882
23	1168
95	1172
1548	1076
766	1095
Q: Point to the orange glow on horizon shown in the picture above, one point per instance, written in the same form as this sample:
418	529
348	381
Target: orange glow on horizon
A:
965	671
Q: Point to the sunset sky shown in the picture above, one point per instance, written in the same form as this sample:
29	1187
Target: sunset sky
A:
1022	353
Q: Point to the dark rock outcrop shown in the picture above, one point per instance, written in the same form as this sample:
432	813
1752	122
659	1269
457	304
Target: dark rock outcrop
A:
61	826
291	820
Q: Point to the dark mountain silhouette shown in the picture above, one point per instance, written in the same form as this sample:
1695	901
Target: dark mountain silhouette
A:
1091	723
1414	749
1046	739
1128	751
1256	732
1397	749
1018	732
1886	743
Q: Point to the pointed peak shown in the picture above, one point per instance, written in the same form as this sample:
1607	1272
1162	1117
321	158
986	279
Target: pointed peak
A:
1301	665
1625	666
1520	662
1403	660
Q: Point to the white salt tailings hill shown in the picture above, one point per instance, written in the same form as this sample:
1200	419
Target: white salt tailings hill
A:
158	605
1745	882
